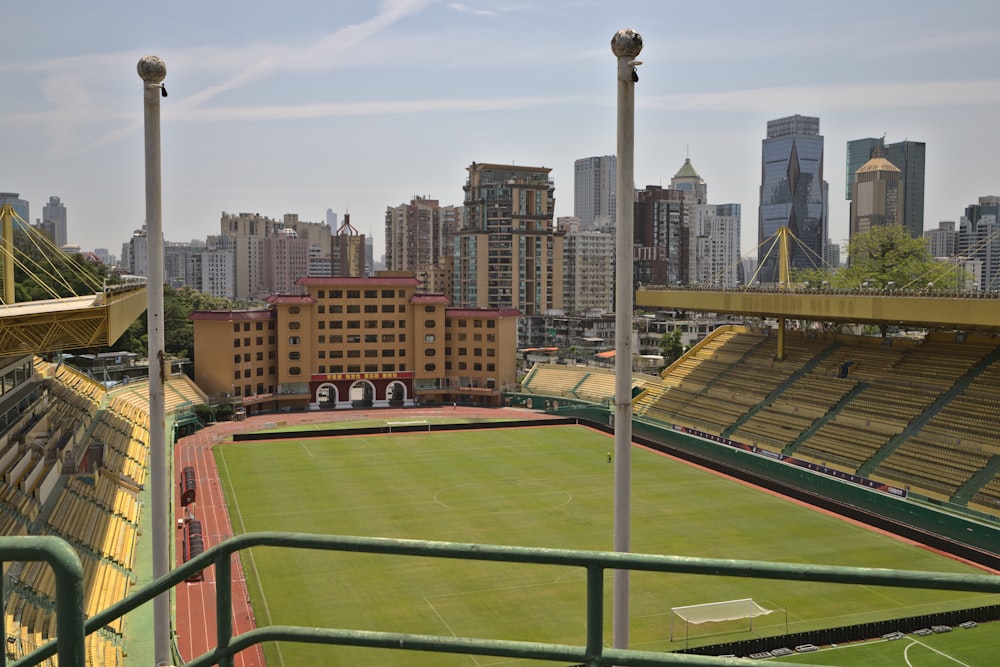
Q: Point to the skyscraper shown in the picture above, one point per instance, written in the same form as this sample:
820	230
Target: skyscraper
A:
662	237
793	194
588	269
943	241
507	254
594	192
419	238
979	239
877	197
54	219
19	205
910	158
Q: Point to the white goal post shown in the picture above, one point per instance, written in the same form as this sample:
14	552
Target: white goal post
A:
413	422
714	612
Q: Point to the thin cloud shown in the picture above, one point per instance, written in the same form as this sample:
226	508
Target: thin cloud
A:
466	9
836	97
390	107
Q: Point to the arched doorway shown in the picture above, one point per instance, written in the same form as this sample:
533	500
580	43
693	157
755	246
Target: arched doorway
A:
326	396
396	393
362	394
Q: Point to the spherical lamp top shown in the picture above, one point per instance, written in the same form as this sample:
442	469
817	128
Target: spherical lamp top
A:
152	69
626	43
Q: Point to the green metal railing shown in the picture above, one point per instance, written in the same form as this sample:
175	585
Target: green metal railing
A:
72	627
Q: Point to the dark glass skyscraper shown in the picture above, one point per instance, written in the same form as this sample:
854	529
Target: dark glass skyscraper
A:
910	158
793	194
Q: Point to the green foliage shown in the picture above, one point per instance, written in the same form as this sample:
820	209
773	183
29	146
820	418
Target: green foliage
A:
671	346
43	272
886	257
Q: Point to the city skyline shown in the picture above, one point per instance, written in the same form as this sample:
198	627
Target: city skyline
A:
359	106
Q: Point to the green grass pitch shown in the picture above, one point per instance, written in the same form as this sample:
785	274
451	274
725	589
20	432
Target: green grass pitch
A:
539	486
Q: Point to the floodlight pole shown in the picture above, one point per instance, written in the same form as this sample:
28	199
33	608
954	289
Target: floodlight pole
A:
152	71
626	45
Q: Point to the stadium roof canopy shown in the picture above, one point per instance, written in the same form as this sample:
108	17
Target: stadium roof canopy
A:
967	311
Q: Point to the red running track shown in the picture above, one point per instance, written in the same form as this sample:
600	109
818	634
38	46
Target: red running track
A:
196	631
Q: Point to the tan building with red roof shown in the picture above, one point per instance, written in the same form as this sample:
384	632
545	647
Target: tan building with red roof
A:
352	341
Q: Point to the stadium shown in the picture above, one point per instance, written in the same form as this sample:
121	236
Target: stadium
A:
796	448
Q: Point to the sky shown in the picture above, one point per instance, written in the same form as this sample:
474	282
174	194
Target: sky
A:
305	106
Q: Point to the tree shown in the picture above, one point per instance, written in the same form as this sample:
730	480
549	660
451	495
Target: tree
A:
886	257
671	346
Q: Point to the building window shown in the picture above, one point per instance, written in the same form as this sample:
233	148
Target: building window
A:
462	366
336	294
461	351
371	294
322	368
429	352
246	357
336	354
388	338
491	367
260	340
402	324
353	324
371	368
321	309
388	294
388	367
322	354
260	372
354	308
337	368
353	294
322	324
478	352
294	370
371	307
246	341
337	308
294	340
428	309
490	352
477	366
259	327
371	338
371	324
336	324
388	353
236	328
294	325
429	324
388	324
260	356
491	324
236	358
429	338
477	324
321	294
353	368
430	368
246	326
462	324
354	354
388	308
294	355
236	375
371	353
294	310
354	338
322	339
237	391
402	307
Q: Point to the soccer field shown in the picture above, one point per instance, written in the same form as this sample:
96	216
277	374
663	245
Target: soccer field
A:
540	486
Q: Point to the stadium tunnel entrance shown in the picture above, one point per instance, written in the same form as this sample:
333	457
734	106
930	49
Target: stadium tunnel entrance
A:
337	391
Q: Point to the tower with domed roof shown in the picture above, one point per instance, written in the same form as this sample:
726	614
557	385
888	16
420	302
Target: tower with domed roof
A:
877	196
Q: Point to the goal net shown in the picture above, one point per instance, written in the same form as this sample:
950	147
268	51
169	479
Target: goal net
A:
715	612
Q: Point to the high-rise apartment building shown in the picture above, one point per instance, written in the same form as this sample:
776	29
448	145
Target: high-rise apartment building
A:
793	194
662	237
594	186
588	269
286	259
419	237
910	158
54	221
716	234
943	241
832	259
979	239
877	198
695	190
507	254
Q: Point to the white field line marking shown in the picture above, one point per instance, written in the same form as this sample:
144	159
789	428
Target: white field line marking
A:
940	653
253	561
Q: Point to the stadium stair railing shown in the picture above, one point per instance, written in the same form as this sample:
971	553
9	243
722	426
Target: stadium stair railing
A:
73	627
